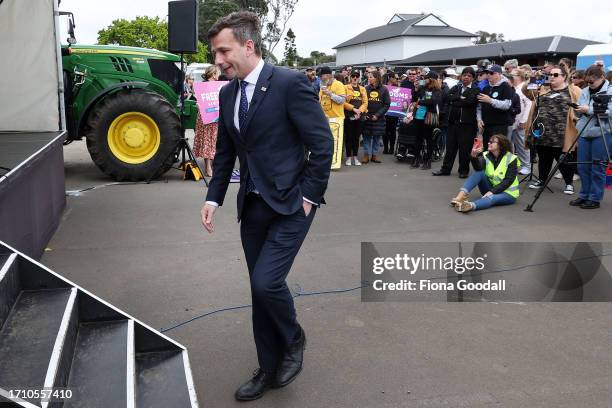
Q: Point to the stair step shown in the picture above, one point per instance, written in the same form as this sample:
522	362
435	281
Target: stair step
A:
28	337
161	380
3	259
98	377
9	285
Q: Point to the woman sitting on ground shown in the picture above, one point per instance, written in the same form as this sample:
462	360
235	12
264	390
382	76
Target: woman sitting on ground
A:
495	176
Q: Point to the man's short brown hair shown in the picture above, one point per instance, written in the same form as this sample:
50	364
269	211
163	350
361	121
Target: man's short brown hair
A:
244	25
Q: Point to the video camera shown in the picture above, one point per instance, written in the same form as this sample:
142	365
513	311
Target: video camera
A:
538	80
600	102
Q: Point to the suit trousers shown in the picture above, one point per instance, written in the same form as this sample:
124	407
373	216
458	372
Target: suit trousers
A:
460	138
271	241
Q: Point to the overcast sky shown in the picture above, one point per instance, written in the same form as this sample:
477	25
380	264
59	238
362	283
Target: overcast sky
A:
322	24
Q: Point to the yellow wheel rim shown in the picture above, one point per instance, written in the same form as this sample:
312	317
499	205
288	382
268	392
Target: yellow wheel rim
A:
133	137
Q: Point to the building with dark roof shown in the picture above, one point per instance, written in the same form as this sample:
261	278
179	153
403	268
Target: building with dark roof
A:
532	51
404	36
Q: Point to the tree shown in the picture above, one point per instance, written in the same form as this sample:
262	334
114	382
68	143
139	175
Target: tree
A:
290	49
305	62
200	56
145	32
274	23
259	7
209	12
484	37
273	16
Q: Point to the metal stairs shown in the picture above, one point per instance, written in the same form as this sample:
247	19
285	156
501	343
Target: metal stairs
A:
56	335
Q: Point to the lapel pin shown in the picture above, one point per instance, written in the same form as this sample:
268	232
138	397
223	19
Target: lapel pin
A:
264	89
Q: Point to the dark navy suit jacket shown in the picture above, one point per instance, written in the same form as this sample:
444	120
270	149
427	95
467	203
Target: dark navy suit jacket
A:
284	122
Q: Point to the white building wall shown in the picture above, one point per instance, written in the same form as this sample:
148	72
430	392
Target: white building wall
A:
377	51
393	49
417	45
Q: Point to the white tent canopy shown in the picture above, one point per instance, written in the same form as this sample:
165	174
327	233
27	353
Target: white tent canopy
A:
595	52
30	72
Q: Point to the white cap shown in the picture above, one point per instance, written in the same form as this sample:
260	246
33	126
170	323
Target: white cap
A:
451	72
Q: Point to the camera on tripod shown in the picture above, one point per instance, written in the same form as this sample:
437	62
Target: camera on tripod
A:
600	102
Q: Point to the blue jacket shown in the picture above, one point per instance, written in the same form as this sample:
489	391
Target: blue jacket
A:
284	121
585	99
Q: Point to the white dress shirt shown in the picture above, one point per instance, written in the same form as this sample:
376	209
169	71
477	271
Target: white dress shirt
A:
251	80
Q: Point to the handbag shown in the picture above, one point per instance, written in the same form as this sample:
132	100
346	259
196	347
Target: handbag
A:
432	119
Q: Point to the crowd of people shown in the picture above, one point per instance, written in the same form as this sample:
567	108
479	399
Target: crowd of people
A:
501	120
530	116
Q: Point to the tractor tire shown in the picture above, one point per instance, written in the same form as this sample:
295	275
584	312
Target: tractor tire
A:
131	135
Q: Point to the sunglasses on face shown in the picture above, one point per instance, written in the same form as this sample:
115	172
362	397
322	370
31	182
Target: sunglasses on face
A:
554	74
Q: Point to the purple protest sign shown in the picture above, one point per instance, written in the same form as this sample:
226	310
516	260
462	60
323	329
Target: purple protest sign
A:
400	99
207	95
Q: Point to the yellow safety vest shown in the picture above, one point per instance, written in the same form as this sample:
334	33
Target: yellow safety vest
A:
496	175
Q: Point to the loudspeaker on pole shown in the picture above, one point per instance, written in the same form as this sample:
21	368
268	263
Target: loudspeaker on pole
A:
183	26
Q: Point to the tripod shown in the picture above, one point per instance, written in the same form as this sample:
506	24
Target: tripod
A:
539	131
601	119
182	149
531	176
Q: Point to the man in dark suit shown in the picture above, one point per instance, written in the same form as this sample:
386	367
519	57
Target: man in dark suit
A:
269	118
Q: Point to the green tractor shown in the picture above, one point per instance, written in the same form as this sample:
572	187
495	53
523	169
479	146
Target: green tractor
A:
125	102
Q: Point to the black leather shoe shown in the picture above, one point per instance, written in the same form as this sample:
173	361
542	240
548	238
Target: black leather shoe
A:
577	202
463	175
291	363
255	387
440	173
589	205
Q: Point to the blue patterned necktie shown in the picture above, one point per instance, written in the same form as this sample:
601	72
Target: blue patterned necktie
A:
243	109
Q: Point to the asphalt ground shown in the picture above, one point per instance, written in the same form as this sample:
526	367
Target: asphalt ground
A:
142	248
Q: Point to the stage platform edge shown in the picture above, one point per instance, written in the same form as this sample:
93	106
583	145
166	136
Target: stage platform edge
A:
32	190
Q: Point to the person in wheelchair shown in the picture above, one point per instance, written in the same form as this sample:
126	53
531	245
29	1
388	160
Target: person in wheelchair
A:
406	137
495	177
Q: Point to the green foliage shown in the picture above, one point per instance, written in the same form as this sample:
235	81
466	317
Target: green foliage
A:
210	12
273	16
316	58
290	49
200	56
145	32
274	23
259	7
305	62
486	38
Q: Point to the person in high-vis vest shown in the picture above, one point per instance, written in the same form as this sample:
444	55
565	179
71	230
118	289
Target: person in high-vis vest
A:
496	177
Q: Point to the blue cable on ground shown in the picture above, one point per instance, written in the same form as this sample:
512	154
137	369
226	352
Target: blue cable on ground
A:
299	292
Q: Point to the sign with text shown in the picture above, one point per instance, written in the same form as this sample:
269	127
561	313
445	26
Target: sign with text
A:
486	271
207	95
400	99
